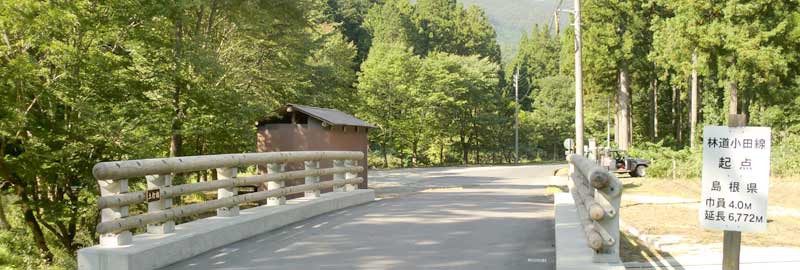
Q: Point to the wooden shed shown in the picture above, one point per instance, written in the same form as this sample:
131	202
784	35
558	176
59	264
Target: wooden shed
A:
304	128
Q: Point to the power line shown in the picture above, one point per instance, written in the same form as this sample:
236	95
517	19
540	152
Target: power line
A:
554	17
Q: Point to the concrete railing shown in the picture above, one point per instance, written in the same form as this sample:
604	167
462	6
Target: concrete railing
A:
116	224
597	194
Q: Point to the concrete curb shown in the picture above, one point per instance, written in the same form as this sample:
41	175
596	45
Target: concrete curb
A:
572	250
150	251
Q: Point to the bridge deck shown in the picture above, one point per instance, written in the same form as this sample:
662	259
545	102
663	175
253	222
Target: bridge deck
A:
491	218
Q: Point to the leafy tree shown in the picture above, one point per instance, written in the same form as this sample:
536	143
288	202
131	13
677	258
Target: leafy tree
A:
460	91
436	23
537	58
350	14
387	84
615	42
476	35
85	82
67	95
391	22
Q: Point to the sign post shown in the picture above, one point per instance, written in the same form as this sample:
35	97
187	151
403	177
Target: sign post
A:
736	162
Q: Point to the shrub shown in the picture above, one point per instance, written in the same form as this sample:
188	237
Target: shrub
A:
687	163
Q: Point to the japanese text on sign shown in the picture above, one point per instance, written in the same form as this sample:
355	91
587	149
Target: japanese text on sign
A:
735	178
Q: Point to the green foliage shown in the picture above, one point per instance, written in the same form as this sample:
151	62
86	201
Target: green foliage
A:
475	34
387	86
350	14
83	82
784	160
537	58
391	23
431	83
687	163
552	119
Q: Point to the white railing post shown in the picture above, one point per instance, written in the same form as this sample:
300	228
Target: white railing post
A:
337	164
350	175
113	187
232	211
274	168
312	165
154	184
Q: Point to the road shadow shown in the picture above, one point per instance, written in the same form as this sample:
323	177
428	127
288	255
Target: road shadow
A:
480	229
636	254
630	185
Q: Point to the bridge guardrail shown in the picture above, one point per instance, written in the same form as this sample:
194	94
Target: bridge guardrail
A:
115	223
597	195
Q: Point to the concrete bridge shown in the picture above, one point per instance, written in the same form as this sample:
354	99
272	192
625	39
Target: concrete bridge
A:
444	218
435	218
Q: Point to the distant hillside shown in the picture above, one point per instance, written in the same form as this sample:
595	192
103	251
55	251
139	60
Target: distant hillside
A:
512	17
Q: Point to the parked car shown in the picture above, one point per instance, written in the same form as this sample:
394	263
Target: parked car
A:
618	161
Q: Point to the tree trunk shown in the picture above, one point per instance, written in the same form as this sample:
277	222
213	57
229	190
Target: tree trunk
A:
464	150
623	103
734	100
693	113
465	154
176	141
33	226
441	154
734	90
383	152
4	225
654	110
676	106
616	123
746	106
414	156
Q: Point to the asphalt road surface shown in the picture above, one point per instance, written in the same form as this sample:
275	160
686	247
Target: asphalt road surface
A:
436	218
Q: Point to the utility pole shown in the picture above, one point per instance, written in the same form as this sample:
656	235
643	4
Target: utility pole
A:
516	116
578	79
608	124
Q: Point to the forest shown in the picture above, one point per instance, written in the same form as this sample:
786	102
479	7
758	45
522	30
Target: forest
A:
88	81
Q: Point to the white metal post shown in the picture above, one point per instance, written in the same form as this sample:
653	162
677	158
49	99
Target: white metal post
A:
274	168
338	176
312	165
113	187
155	183
227	173
516	116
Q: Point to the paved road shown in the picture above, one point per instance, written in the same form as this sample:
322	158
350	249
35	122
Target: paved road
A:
438	218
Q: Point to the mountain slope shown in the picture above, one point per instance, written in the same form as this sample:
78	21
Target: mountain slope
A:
513	17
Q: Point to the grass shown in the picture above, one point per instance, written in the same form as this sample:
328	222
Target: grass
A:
676	219
552	189
682	219
783	191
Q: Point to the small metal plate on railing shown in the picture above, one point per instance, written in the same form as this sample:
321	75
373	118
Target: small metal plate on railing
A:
152	195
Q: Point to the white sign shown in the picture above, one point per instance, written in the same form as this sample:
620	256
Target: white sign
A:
735	178
568	144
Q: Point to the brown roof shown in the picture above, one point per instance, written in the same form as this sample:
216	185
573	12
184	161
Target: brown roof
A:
329	116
